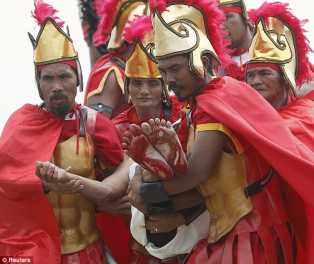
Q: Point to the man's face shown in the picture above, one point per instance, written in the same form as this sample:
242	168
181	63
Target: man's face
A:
57	84
268	82
236	28
181	80
145	93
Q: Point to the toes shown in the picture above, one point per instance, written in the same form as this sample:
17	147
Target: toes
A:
163	122
157	122
146	128
135	130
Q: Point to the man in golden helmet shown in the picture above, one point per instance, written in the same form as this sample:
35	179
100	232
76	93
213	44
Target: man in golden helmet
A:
277	68
279	47
105	86
53	227
237	150
149	99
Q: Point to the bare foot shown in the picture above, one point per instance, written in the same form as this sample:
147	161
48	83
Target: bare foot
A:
164	138
140	150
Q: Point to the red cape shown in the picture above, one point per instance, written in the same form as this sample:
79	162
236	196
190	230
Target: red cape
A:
27	222
255	121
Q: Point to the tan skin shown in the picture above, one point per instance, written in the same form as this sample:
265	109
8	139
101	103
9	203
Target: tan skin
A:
146	95
111	95
239	32
270	84
110	194
57	88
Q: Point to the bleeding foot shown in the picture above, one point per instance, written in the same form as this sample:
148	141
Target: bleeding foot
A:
140	150
163	137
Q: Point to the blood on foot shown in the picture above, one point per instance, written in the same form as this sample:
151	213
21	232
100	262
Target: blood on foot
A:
166	141
141	151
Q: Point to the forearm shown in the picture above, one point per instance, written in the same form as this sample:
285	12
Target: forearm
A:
111	187
182	183
204	158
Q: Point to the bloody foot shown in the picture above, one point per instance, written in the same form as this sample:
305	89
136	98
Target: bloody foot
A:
164	138
139	148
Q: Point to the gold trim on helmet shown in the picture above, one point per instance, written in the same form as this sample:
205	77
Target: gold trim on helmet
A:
53	45
128	10
274	43
140	64
181	30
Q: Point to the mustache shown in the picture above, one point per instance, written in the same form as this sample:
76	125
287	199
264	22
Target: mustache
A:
57	96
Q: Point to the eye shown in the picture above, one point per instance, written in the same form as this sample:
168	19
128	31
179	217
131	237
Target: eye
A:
46	78
175	68
229	16
249	75
65	76
265	73
136	83
154	83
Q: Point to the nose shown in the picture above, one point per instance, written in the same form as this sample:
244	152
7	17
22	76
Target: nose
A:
144	88
56	86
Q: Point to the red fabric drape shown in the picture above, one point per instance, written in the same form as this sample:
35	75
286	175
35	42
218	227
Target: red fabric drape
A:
27	223
255	121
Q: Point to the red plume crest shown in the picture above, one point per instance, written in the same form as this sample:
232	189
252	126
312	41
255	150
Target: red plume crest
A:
107	13
283	13
136	29
43	10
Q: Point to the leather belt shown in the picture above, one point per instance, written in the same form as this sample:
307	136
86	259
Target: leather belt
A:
259	185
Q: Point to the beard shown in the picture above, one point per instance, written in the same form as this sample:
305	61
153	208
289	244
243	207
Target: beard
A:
176	90
61	108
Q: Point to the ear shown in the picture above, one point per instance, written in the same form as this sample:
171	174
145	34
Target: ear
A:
210	64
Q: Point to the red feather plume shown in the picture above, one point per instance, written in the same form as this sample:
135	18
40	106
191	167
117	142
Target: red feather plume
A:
159	5
43	10
283	13
136	29
214	18
107	13
97	5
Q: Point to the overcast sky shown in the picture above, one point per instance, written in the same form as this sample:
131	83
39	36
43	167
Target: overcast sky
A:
16	52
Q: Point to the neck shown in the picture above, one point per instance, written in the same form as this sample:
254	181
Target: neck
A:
280	101
148	113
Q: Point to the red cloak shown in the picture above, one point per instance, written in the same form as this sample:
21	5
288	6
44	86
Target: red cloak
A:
28	228
27	223
252	119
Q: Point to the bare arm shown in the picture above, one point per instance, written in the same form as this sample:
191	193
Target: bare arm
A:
107	195
112	187
111	95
